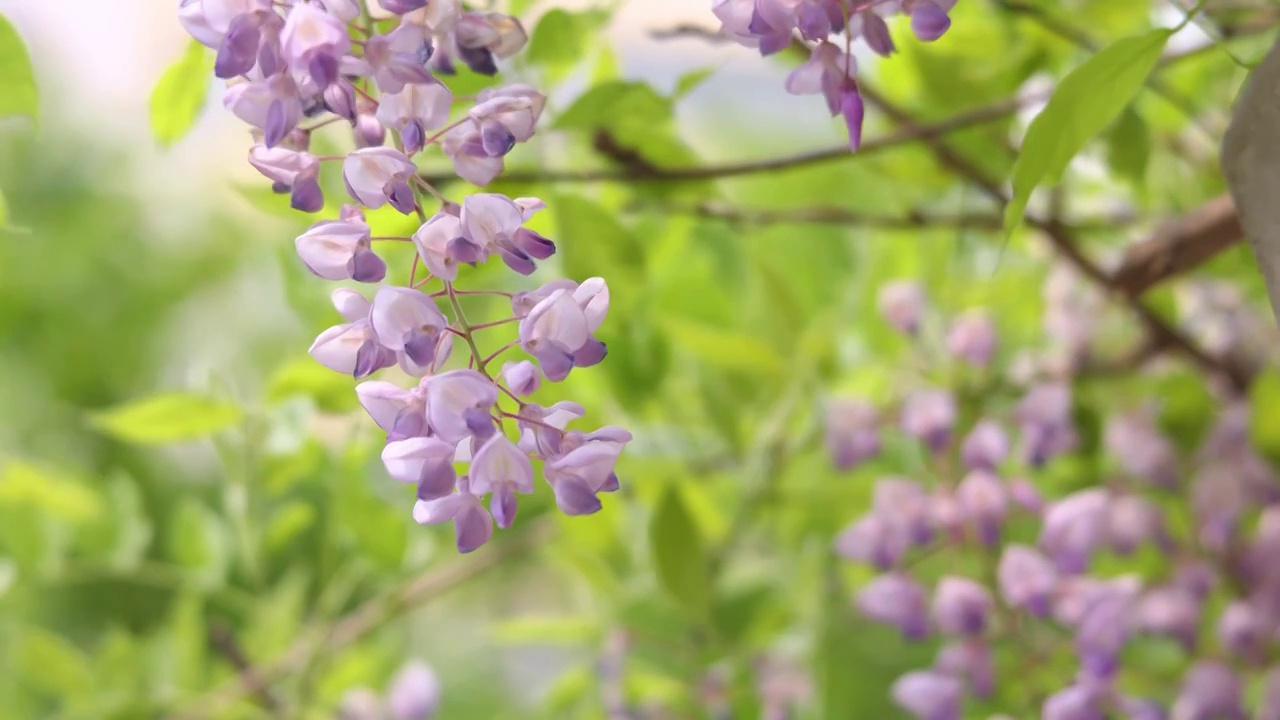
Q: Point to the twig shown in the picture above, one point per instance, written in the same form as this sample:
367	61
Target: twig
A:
961	121
913	218
370	616
223	639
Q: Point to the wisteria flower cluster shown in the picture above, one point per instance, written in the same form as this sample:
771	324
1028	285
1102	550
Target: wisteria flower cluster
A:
1027	570
293	67
829	28
413	694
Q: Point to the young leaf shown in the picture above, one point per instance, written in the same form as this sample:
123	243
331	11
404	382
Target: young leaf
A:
178	98
53	665
171	417
690	81
678	555
1264	402
1087	100
556	40
1129	147
17	79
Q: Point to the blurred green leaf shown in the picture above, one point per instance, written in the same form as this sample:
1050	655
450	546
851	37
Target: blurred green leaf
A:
1083	103
199	540
1129	147
43	491
571	630
180	94
558	39
52	664
724	349
331	391
1186	407
166	418
287	524
16	77
690	81
1264	414
678	554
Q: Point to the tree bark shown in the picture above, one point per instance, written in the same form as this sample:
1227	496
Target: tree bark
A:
1251	162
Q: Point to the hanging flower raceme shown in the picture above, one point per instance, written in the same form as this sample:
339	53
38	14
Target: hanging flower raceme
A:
1026	573
827	28
464	435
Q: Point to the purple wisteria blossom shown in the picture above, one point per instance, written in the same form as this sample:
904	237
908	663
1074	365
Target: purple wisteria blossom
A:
464	434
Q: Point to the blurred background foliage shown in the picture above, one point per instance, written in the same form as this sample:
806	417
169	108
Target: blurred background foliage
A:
183	491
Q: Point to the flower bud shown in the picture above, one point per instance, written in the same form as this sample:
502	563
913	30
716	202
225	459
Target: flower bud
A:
929	415
896	599
982	497
972	338
874	541
961	606
929	695
986	446
1210	691
902	305
852	435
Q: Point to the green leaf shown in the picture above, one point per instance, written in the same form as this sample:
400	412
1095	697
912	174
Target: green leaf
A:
4	211
690	81
288	523
171	417
53	665
570	630
678	554
1087	100
331	391
180	94
556	40
199	541
1264	414
1129	147
46	493
725	349
17	78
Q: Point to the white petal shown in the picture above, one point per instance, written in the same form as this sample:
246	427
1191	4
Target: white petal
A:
432	241
452	393
350	304
336	347
434	512
593	297
499	462
398	310
327	248
383	401
405	459
557	320
486	217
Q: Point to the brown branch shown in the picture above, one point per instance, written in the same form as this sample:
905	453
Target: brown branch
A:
961	121
223	640
1062	237
911	219
1179	246
368	617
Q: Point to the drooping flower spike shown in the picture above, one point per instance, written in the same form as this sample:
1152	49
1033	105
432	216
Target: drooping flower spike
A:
465	434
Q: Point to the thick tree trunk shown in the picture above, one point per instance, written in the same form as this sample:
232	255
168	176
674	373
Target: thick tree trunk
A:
1251	162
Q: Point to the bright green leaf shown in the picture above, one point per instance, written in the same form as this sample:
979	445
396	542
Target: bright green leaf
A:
556	40
288	523
47	493
1129	147
17	79
725	349
199	541
52	664
330	391
171	417
4	211
1087	100
570	630
690	81
180	94
678	553
1264	414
